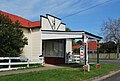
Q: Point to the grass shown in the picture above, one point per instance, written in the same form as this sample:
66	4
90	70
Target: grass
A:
63	74
24	66
30	66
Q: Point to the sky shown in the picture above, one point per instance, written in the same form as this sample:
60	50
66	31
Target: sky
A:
89	17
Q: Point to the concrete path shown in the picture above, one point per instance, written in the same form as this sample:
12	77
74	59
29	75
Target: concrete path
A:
46	67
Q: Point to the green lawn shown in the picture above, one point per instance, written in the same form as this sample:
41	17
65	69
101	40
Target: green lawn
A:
24	66
64	74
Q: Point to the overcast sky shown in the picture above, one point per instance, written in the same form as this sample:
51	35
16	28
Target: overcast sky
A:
90	20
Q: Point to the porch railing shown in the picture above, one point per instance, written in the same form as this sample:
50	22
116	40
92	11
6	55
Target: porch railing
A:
73	59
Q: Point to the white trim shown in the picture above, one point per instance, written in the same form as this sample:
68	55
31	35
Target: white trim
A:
66	35
31	43
60	35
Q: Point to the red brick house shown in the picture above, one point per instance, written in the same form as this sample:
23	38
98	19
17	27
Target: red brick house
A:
92	46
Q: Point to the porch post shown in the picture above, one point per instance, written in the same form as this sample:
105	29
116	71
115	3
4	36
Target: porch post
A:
97	52
41	56
86	66
98	46
86	49
85	53
68	49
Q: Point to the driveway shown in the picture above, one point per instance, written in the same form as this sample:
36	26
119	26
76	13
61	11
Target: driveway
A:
46	67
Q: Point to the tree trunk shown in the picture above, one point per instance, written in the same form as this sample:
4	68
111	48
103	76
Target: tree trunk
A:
109	56
118	50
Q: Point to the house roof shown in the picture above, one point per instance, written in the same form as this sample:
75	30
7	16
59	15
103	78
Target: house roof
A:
23	22
92	45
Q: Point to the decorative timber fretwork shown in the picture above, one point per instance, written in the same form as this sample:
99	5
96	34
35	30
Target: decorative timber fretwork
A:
52	23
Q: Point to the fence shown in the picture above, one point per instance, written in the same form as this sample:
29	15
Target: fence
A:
9	63
73	59
103	55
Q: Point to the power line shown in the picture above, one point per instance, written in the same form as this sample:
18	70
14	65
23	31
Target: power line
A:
87	9
62	3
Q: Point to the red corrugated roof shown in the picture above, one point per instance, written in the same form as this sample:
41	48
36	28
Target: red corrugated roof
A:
23	22
35	24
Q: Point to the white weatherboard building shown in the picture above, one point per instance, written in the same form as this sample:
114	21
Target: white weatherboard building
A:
51	41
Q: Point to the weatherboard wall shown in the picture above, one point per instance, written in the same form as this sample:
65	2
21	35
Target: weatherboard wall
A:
34	48
27	50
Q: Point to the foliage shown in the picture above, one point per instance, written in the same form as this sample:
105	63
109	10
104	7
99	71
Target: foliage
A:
111	31
63	74
76	51
12	39
79	42
67	29
108	47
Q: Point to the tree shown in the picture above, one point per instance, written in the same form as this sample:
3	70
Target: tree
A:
79	42
12	39
107	47
111	32
67	29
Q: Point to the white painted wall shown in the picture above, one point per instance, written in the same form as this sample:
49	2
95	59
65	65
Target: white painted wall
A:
47	23
36	44
54	20
27	49
60	35
62	27
68	48
34	48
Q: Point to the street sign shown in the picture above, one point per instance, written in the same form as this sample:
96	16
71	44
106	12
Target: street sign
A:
82	53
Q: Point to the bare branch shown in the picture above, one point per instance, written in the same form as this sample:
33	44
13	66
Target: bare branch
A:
111	31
